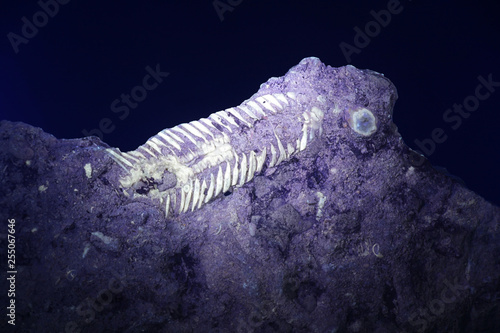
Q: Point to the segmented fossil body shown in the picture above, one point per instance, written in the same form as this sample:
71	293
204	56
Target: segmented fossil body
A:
227	149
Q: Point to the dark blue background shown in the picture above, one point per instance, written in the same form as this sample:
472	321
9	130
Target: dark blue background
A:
66	77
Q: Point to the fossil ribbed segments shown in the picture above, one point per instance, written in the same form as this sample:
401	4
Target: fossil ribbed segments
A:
212	155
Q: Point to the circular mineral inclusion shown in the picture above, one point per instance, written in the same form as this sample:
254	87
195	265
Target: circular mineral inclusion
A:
363	122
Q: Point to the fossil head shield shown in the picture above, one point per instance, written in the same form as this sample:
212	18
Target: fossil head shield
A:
187	166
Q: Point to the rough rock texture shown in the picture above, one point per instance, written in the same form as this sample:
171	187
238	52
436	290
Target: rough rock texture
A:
356	233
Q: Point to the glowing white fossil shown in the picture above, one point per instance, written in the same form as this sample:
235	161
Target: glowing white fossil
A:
227	149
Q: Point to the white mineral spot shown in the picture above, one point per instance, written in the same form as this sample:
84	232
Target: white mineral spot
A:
105	239
321	203
85	250
88	170
252	228
363	122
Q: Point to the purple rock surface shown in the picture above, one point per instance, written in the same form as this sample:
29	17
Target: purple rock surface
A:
315	217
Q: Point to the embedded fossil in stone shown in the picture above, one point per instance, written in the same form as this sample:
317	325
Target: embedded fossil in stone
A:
204	155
